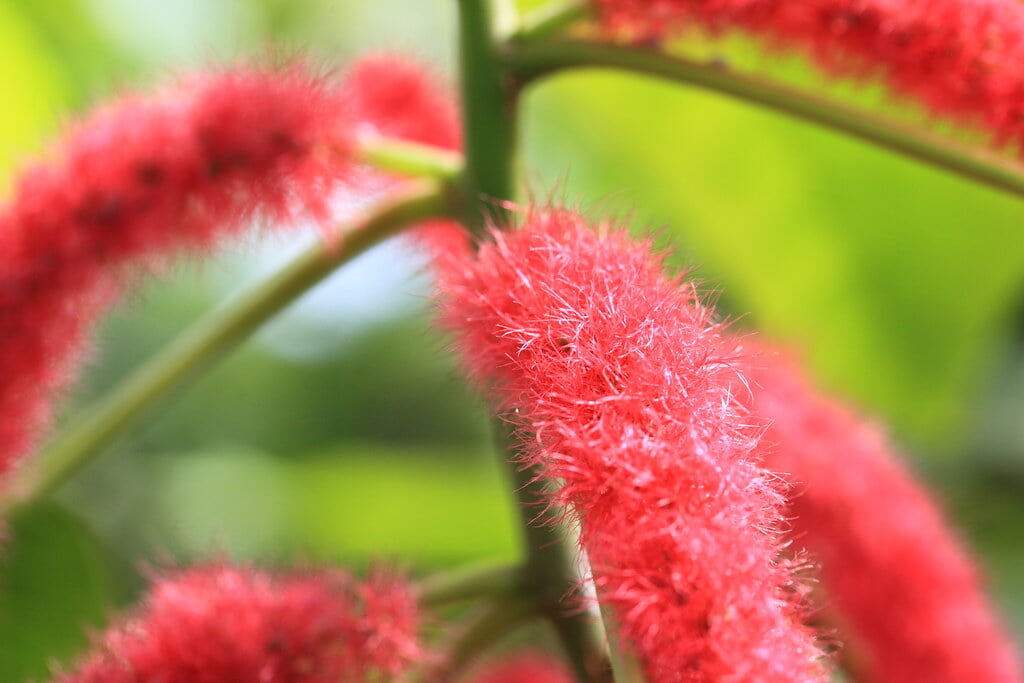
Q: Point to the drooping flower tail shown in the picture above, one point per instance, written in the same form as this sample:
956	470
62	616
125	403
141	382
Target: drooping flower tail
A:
216	624
907	598
620	380
959	58
149	178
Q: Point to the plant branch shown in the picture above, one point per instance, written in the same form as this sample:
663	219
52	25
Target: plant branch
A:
626	668
470	583
550	574
199	347
549	20
489	100
534	61
410	158
484	626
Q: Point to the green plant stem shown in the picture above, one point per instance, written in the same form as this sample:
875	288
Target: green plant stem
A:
533	61
550	19
489	100
626	667
484	627
469	583
550	575
212	337
410	158
488	114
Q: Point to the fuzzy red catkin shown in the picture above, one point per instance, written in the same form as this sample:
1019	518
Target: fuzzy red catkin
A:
395	98
524	668
218	624
620	380
907	599
960	58
389	88
149	178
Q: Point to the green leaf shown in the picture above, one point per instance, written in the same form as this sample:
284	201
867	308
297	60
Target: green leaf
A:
54	586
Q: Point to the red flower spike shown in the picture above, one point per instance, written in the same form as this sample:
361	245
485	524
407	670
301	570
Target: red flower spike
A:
149	178
620	379
909	599
960	58
385	90
218	624
524	668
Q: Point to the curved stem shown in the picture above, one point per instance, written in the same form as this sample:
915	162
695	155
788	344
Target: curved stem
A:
483	628
536	60
211	338
467	584
410	158
496	620
549	19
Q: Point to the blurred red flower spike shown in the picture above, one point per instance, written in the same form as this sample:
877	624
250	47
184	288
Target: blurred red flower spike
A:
218	624
959	58
146	179
908	600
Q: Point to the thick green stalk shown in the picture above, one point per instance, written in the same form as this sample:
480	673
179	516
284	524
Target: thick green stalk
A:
626	668
533	61
199	347
488	115
550	574
489	100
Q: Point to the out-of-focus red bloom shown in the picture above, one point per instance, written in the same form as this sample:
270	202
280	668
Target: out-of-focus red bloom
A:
524	668
392	96
905	595
620	379
960	58
222	624
148	178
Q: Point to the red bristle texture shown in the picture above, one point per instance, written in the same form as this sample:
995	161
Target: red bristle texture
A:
960	58
218	624
149	178
619	379
524	668
908	600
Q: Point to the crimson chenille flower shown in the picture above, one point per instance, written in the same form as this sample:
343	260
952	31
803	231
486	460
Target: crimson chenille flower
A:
960	58
148	178
908	600
619	379
225	624
391	96
524	668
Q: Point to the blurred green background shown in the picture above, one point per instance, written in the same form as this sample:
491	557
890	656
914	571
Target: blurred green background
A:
342	432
